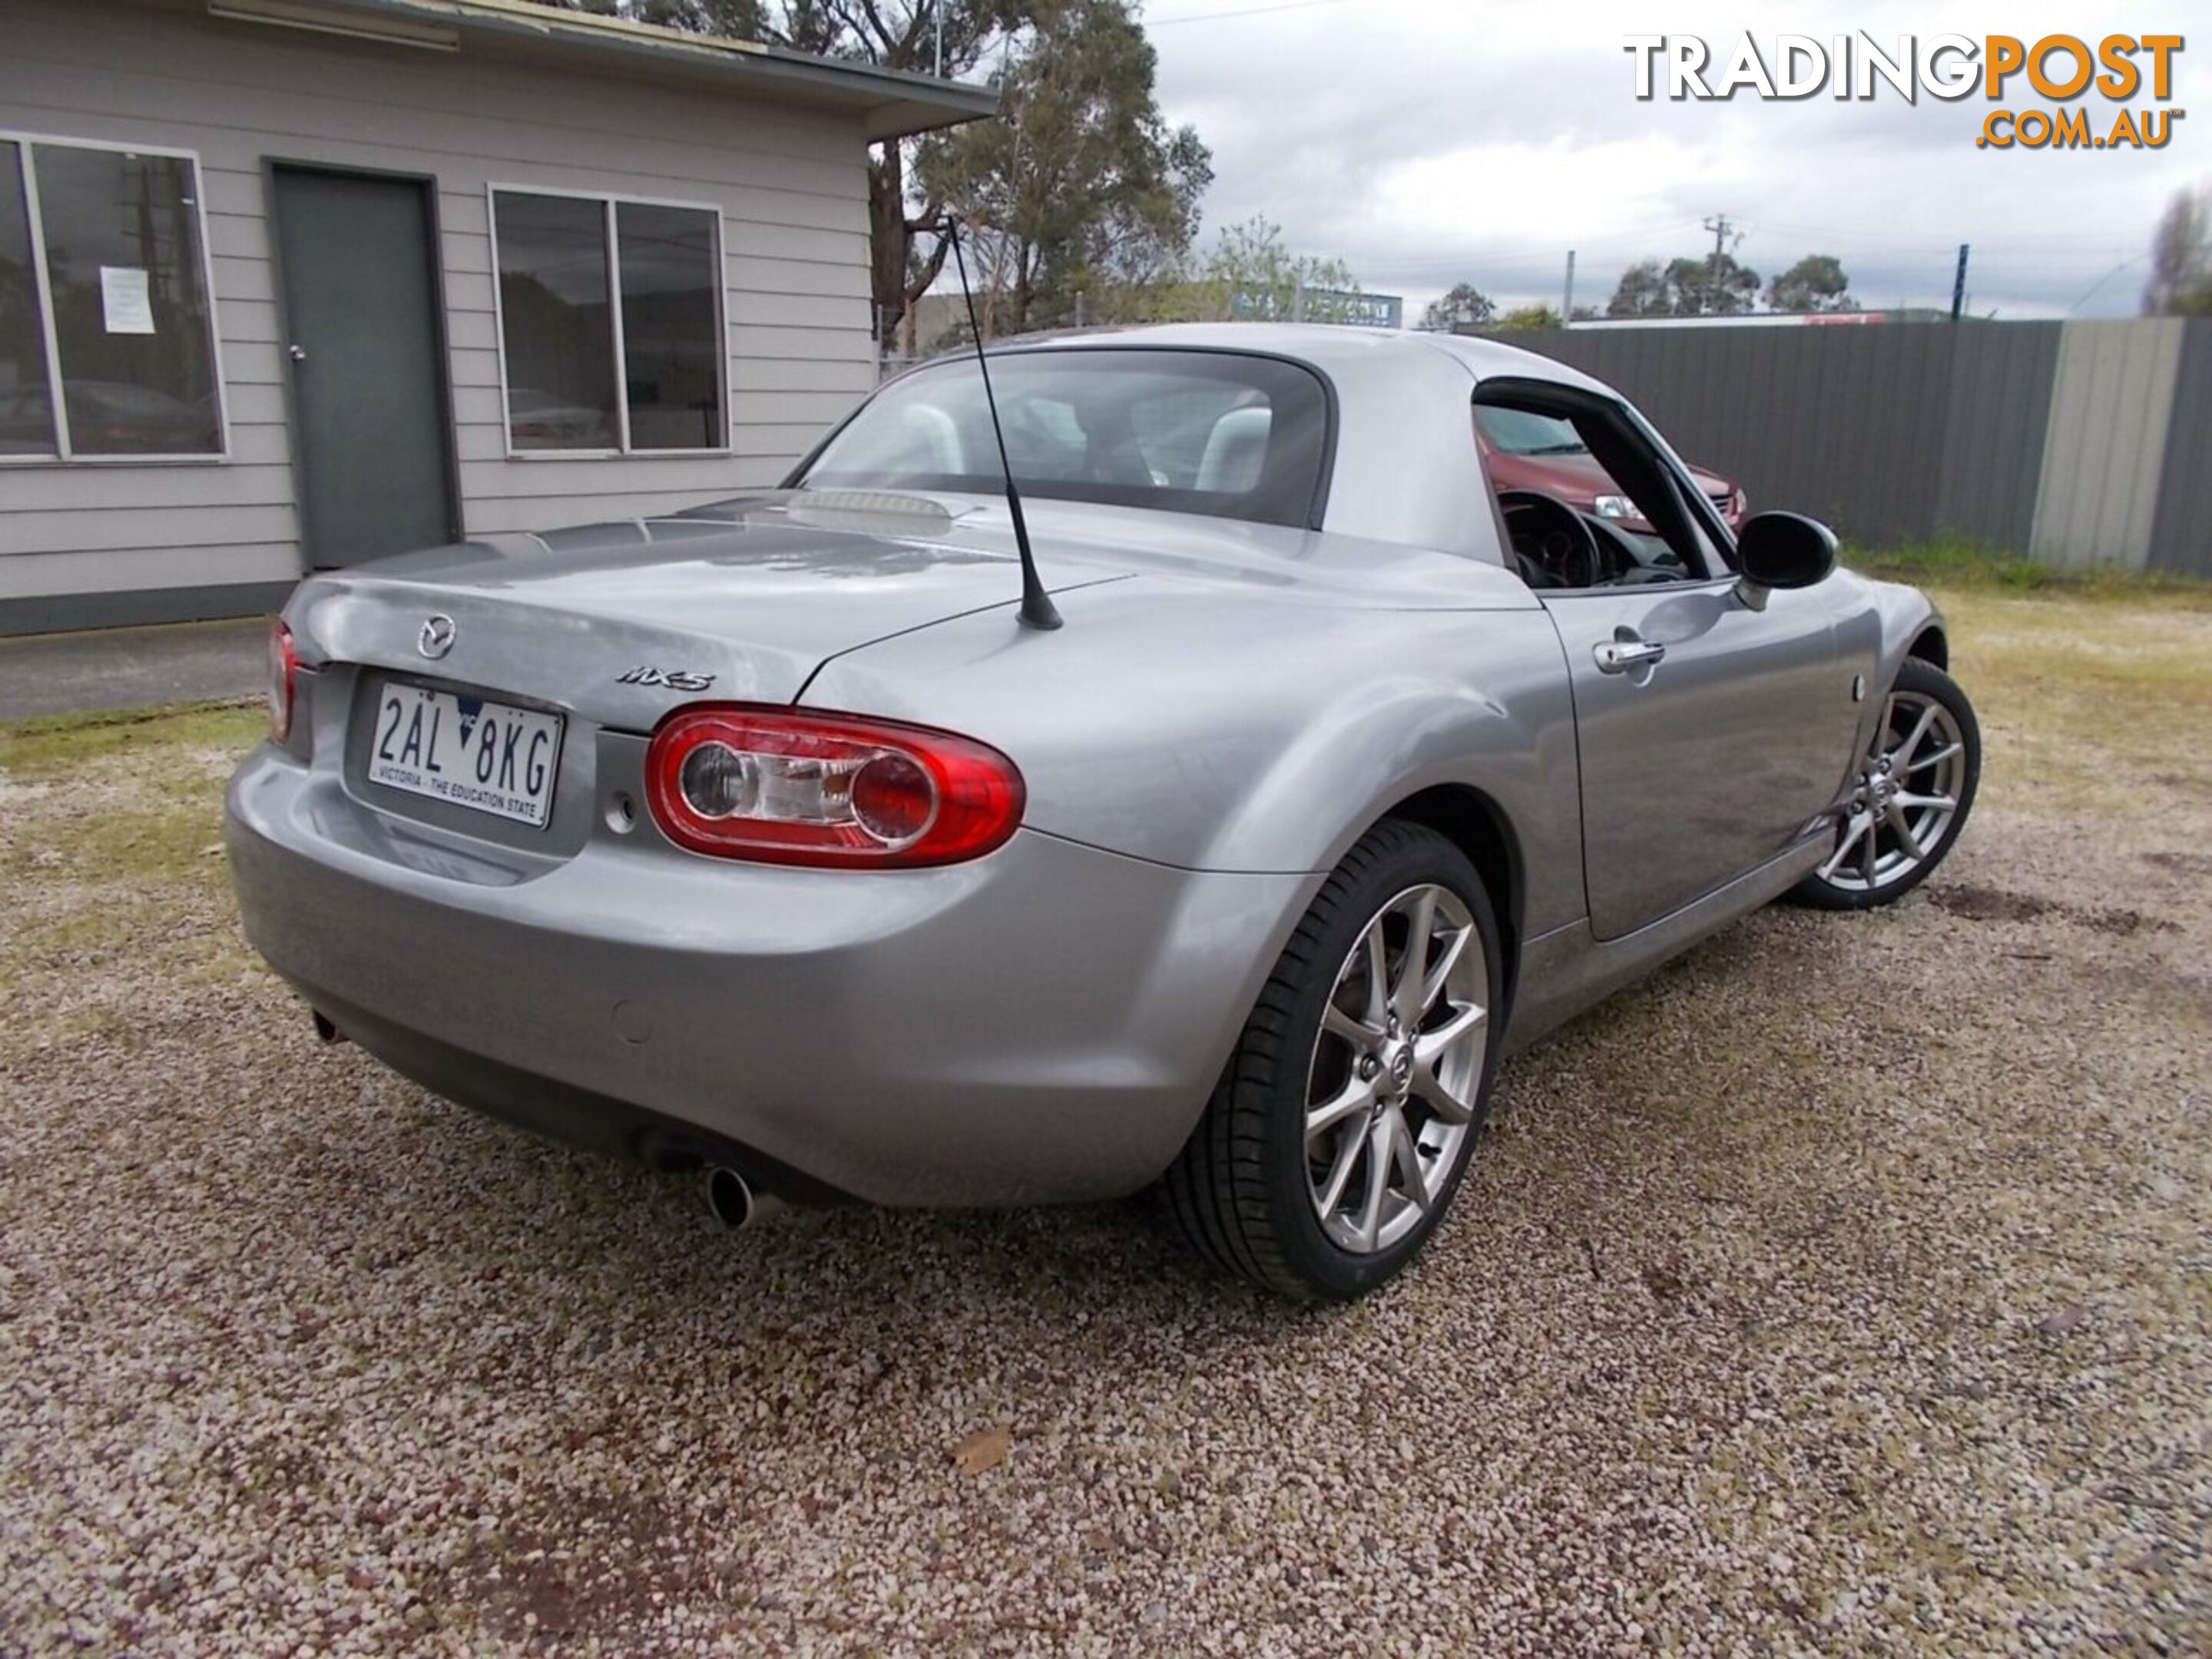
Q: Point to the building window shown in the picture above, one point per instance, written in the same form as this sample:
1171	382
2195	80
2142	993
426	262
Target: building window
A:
611	324
104	299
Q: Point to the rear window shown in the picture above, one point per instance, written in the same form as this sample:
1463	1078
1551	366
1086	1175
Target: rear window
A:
1216	433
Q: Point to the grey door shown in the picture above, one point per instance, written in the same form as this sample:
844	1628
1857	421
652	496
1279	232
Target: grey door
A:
370	426
1711	735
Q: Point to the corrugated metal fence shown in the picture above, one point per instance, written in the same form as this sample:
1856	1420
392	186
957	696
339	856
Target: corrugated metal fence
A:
2079	443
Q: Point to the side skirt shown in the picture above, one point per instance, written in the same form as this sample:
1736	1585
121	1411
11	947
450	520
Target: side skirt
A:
1566	971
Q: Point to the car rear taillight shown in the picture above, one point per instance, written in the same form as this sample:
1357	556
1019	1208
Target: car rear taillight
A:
283	678
779	786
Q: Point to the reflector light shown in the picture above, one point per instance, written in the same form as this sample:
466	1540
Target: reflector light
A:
779	786
283	678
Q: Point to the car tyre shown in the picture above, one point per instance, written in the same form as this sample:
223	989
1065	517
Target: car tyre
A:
1262	1191
1911	796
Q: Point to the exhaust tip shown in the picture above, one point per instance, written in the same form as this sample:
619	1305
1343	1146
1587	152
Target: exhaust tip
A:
729	1200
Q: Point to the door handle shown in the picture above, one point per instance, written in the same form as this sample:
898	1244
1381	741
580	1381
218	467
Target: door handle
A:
1627	651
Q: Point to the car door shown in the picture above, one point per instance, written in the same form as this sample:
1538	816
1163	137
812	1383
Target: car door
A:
1711	736
1712	732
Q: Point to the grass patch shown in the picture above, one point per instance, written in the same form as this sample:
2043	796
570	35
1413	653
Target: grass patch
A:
177	839
111	830
129	799
2090	705
56	745
1965	566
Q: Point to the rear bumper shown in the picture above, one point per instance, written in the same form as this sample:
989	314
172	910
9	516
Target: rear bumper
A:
1041	1024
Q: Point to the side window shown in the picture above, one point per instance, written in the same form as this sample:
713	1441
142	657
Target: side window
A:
1705	512
103	257
610	327
1586	497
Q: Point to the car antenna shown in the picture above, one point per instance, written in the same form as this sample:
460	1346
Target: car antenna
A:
1037	610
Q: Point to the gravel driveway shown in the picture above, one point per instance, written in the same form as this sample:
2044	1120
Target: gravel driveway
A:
1843	1290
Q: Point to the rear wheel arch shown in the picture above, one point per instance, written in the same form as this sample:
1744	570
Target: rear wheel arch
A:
1476	825
1243	1189
1930	646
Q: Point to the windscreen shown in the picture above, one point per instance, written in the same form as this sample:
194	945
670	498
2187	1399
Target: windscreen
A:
1216	433
1523	432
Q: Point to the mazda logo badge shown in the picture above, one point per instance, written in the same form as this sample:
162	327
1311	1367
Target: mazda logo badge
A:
436	638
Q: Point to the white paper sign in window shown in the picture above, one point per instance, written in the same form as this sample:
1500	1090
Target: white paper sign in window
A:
126	302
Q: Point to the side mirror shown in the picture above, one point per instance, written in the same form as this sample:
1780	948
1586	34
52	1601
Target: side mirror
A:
1782	549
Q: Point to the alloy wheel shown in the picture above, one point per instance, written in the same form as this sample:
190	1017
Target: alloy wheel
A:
1396	1068
1904	801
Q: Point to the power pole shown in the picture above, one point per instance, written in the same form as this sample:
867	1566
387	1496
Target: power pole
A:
1567	299
1959	284
1724	234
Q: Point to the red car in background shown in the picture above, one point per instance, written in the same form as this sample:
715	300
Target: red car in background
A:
1536	451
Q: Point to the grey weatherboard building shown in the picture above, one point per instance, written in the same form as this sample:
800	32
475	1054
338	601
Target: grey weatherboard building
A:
320	279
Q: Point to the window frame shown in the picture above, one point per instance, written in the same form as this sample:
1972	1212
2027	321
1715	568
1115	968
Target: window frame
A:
50	331
1697	509
608	201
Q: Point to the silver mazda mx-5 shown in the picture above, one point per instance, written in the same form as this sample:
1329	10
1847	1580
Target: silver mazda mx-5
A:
784	839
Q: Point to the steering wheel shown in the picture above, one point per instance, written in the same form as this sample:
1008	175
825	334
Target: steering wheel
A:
1551	544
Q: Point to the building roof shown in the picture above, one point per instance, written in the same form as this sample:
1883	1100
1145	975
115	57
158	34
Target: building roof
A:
890	103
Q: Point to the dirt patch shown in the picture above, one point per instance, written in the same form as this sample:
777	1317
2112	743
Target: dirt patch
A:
1975	903
1990	904
2183	864
608	1563
2123	923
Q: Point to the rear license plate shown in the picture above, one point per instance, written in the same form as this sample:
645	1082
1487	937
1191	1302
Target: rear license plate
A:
472	752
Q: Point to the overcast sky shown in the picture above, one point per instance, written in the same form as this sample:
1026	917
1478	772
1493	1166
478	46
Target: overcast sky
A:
1430	141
